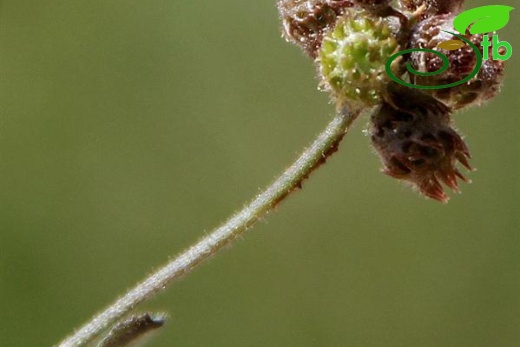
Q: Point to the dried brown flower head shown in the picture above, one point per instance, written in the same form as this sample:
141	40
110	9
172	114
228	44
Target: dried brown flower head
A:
304	22
350	41
429	33
413	136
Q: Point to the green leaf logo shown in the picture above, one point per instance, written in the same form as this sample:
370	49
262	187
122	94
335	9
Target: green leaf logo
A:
451	44
485	19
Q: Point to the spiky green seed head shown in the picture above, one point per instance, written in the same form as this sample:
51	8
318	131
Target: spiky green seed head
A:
353	55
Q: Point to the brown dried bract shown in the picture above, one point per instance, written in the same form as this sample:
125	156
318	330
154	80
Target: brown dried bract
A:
484	86
416	143
430	8
304	22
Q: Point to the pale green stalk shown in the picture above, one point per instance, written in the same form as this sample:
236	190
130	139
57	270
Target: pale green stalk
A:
292	178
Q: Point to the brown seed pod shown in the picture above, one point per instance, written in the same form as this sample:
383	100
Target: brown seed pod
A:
305	21
484	86
416	143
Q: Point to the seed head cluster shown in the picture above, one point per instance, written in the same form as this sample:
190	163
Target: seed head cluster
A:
411	129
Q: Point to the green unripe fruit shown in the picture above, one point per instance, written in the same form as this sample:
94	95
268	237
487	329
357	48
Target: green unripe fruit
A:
353	55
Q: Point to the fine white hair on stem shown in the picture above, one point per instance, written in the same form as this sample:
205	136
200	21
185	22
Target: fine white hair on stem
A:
312	157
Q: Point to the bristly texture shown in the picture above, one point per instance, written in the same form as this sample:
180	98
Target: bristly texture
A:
416	143
484	86
351	41
373	5
304	21
353	55
429	8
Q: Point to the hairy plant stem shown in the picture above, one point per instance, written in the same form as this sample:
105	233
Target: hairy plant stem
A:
326	144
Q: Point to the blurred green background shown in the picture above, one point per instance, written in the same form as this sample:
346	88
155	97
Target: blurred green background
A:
130	128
